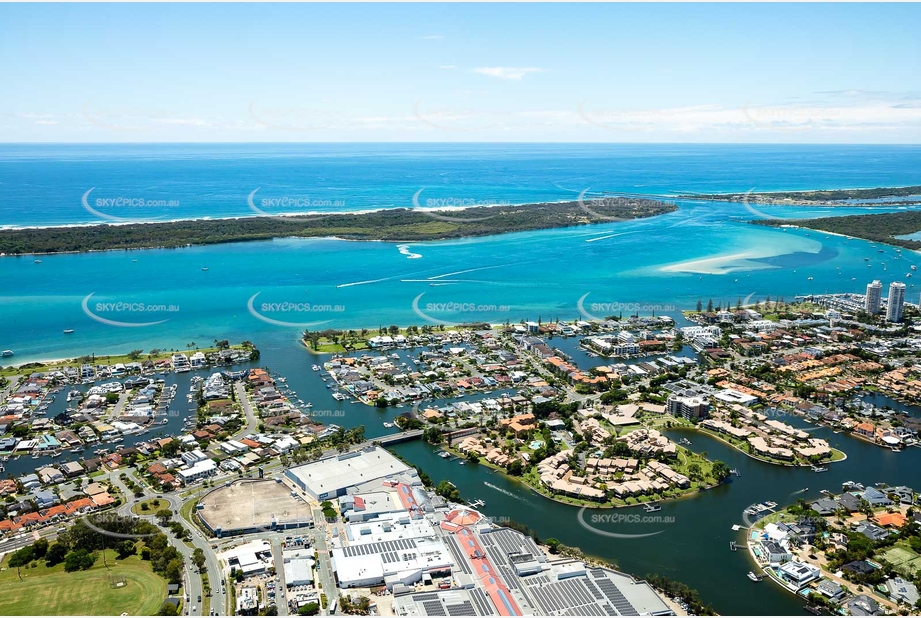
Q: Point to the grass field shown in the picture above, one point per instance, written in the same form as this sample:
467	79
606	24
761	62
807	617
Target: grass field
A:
903	559
152	508
52	592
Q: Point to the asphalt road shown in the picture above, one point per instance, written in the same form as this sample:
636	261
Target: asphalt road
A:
194	586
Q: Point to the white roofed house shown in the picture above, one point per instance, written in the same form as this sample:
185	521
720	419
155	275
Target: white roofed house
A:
198	471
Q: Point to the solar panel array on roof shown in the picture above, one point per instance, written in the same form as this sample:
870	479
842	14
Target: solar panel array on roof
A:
460	609
385	547
594	589
433	608
460	558
620	602
427	596
509	577
571	597
483	605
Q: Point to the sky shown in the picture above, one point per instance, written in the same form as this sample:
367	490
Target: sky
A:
777	73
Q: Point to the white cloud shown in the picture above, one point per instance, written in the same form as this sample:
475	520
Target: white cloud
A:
515	73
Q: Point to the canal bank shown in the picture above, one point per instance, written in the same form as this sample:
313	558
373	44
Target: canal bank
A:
686	541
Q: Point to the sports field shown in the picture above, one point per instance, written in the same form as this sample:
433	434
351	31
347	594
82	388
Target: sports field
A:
903	559
53	592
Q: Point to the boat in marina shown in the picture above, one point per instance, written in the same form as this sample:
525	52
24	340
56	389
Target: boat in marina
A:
316	367
6	353
755	578
652	508
444	454
819	469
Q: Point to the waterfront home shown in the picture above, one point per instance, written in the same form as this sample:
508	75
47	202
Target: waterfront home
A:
726	428
867	430
776	553
825	506
815	447
905	495
72	469
798	573
875	497
849	502
761	447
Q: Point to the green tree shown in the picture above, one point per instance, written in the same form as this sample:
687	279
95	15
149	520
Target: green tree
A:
720	471
79	560
309	609
164	515
21	558
198	557
40	548
55	554
168	609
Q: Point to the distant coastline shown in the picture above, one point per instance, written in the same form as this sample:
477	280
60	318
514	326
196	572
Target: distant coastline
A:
390	225
823	197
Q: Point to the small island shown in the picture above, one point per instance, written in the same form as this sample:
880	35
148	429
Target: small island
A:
394	225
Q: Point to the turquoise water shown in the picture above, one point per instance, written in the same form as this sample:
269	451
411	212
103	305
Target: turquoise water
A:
261	291
663	264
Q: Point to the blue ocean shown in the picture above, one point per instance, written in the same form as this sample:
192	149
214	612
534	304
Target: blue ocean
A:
271	291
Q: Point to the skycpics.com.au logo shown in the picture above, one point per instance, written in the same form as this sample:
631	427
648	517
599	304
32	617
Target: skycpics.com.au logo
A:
596	206
125	308
620	524
98	206
748	199
597	312
455	308
116	526
300	207
437	207
290	310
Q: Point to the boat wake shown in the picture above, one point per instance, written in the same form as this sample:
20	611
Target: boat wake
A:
348	285
608	236
506	492
404	249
